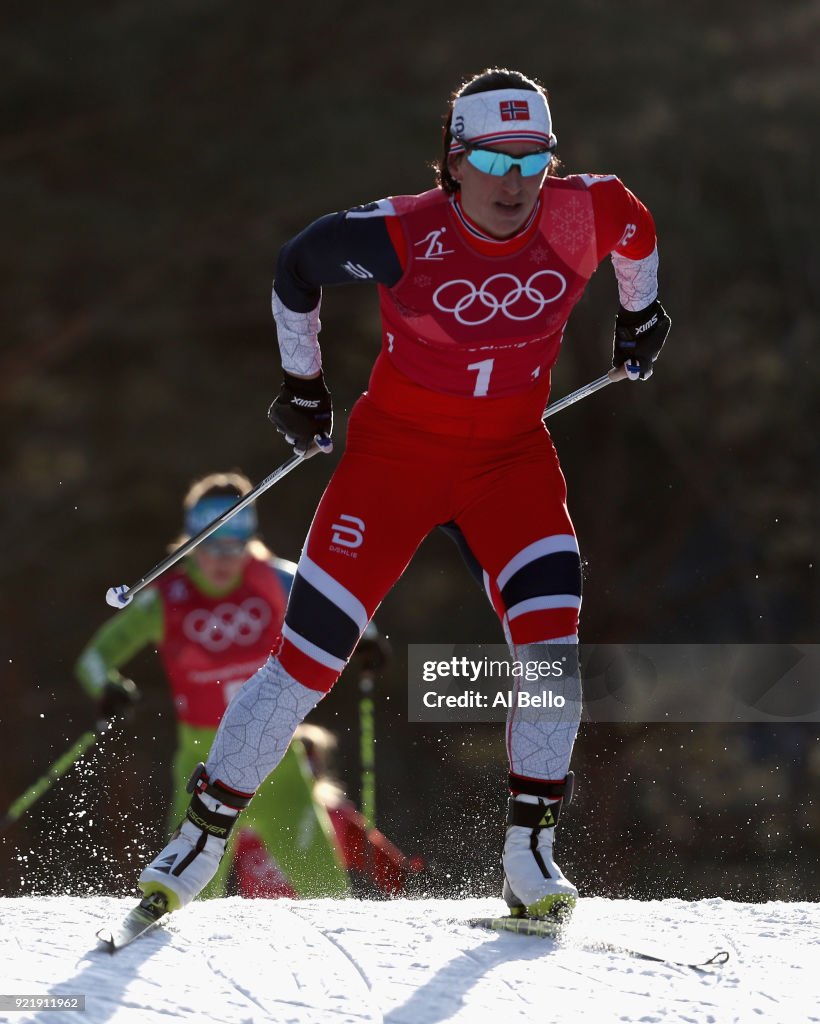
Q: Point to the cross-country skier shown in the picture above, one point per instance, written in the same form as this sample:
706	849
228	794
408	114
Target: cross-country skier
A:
477	278
213	620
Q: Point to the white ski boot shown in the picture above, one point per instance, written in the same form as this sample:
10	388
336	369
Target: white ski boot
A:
190	860
534	885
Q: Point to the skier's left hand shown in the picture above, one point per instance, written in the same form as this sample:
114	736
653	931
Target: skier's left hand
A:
117	700
639	338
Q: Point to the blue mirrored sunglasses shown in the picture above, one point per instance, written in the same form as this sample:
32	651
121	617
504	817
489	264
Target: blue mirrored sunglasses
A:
498	164
240	527
224	548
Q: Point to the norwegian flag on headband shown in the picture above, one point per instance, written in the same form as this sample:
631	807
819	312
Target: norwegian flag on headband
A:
514	110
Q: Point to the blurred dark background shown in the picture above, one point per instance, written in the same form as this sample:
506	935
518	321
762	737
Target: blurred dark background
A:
153	159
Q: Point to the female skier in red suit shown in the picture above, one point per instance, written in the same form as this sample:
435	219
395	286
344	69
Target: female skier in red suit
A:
476	280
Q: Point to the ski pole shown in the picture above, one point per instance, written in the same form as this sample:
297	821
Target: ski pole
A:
119	597
367	749
372	653
616	373
60	767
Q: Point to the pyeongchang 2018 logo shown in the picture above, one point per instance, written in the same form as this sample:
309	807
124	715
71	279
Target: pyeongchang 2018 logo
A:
501	294
227	624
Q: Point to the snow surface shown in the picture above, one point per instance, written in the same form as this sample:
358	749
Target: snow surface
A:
412	962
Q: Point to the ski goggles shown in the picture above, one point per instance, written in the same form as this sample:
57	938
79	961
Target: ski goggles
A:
224	547
240	528
498	164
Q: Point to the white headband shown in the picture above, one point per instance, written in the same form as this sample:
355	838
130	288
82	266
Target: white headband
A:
503	115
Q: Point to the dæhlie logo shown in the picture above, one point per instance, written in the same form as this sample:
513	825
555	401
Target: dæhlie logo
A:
348	532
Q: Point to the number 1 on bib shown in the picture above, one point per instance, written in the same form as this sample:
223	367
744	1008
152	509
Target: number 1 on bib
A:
482	384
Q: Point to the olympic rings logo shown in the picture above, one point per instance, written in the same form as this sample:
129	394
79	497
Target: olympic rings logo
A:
472	306
228	624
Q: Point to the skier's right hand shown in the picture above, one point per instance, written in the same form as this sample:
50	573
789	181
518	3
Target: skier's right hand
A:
117	700
303	413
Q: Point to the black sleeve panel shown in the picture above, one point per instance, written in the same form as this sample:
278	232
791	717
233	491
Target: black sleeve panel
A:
341	248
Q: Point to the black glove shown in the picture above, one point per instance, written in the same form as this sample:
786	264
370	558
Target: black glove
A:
117	699
639	338
303	412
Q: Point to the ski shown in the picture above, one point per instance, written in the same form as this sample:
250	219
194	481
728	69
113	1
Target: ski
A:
546	929
137	922
542	927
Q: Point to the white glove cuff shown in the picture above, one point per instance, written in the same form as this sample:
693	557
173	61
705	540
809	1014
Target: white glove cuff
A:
637	280
298	338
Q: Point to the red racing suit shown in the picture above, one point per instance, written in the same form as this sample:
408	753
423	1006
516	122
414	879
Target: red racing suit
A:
450	429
